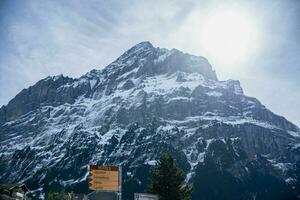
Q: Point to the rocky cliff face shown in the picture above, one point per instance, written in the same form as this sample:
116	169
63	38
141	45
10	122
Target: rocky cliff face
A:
149	101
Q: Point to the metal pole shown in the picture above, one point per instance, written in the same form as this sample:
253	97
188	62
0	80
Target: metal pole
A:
120	183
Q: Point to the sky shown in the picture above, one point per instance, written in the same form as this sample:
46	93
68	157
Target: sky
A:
72	37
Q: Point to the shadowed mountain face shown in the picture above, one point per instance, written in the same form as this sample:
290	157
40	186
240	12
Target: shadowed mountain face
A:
147	102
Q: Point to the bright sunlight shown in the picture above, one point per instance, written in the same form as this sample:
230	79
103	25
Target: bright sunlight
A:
228	37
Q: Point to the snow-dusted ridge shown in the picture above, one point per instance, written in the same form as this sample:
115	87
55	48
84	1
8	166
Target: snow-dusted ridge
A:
146	99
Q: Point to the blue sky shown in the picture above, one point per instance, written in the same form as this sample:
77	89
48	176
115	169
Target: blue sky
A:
41	38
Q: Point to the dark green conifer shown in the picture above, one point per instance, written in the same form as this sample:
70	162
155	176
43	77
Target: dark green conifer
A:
167	180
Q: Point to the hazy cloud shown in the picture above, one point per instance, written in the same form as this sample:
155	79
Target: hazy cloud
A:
41	38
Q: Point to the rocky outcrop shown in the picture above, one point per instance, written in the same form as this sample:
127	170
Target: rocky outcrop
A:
148	101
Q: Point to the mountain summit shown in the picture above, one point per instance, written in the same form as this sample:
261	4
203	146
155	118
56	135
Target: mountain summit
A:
147	102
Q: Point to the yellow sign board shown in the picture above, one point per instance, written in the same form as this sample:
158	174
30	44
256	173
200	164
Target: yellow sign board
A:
104	178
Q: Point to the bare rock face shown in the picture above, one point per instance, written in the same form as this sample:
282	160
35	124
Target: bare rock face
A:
49	91
147	102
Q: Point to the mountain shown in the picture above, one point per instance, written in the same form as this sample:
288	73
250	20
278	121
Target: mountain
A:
147	102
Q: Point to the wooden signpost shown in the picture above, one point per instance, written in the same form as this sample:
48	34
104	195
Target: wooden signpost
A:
105	179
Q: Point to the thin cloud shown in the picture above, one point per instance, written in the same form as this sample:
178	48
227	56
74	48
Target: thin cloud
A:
41	38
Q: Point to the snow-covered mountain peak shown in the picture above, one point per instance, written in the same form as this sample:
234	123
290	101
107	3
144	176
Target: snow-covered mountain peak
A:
142	46
144	60
148	101
138	51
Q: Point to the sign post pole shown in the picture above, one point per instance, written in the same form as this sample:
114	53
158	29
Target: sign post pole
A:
144	196
120	183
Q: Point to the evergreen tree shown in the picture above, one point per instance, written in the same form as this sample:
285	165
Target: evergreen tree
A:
167	180
60	196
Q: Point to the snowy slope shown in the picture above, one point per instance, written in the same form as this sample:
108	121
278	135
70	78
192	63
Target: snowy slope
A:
150	100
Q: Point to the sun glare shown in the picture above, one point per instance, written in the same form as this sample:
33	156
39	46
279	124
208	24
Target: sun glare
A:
228	37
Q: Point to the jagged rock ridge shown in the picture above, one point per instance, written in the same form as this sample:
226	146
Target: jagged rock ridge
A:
148	101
